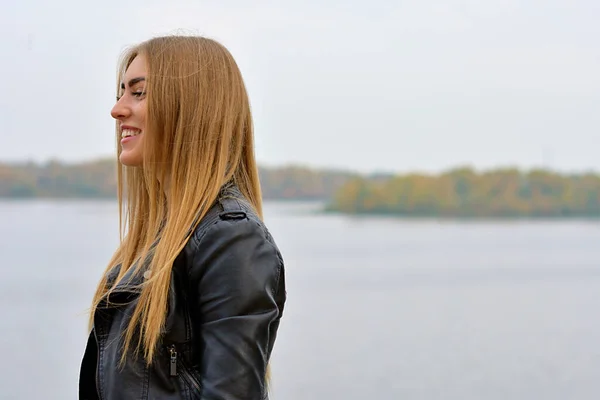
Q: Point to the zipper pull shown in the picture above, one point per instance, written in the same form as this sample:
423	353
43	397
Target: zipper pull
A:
173	364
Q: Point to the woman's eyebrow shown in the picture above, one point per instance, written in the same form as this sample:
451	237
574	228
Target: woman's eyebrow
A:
133	81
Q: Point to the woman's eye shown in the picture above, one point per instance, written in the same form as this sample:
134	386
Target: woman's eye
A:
138	94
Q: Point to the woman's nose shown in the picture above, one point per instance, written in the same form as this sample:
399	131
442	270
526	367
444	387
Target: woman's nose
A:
120	110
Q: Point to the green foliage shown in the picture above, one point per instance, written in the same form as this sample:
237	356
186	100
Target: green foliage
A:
91	180
502	193
461	192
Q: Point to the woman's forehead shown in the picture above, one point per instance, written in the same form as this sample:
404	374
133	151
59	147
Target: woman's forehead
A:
136	69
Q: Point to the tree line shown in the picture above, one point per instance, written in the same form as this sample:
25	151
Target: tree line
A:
460	192
97	179
464	192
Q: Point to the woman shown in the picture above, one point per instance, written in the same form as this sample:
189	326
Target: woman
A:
199	316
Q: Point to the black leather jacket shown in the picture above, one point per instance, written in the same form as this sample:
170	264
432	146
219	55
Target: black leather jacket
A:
226	300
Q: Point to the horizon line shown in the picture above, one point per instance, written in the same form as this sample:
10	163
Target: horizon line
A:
334	168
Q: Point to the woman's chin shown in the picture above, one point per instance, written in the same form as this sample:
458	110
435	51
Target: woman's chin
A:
130	160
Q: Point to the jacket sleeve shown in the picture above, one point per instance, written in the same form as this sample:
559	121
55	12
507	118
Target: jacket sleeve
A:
237	274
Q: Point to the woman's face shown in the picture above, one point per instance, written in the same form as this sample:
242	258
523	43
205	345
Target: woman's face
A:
130	111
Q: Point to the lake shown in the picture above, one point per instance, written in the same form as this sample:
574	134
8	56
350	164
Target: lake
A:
377	308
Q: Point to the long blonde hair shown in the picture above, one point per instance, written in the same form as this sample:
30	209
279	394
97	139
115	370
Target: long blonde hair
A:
198	136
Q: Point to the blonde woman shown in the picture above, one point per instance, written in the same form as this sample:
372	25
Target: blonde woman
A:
191	301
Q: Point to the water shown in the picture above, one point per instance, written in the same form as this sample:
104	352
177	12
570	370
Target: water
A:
377	309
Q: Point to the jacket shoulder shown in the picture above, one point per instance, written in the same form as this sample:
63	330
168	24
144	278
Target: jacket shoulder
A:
231	248
231	214
231	205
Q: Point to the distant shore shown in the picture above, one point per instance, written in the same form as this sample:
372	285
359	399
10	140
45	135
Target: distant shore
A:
461	193
97	180
464	193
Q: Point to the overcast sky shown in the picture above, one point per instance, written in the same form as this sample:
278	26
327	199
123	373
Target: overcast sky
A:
388	86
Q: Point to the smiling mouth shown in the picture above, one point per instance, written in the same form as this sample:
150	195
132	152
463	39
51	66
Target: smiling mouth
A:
129	132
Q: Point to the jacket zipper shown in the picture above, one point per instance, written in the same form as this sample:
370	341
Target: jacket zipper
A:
185	373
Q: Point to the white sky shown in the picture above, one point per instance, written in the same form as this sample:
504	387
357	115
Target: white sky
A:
370	86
